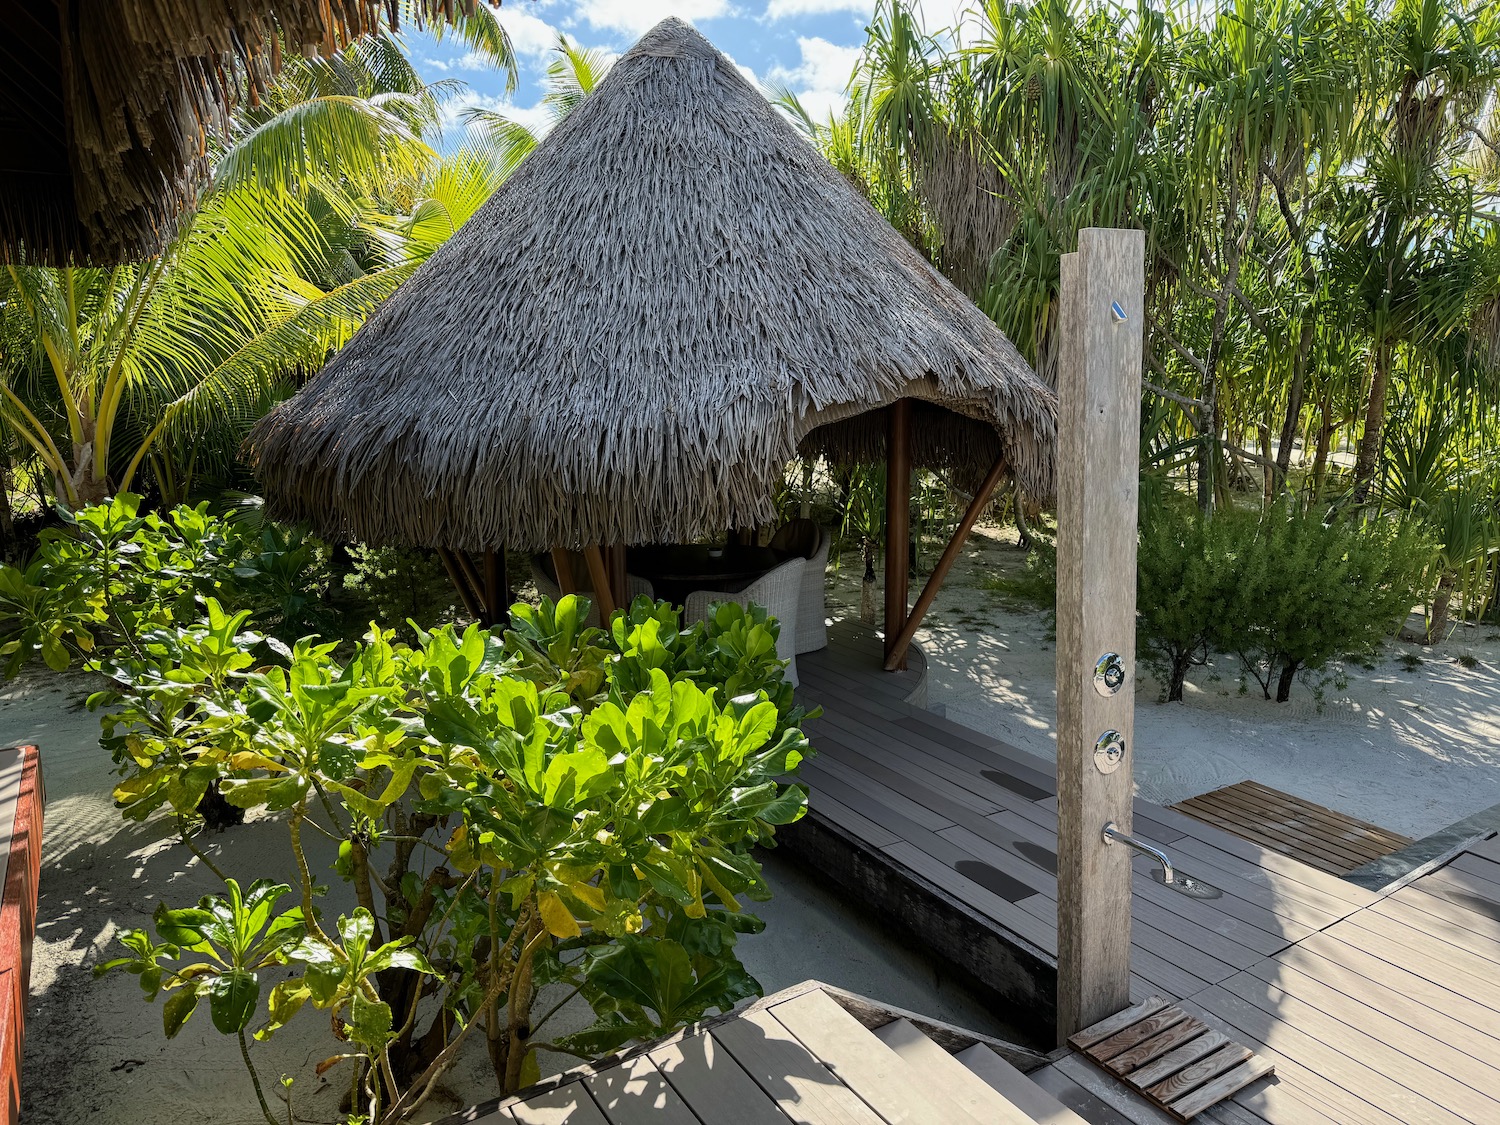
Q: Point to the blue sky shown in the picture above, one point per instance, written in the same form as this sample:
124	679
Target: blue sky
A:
808	45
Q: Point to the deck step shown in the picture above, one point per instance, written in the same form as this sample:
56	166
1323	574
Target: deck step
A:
1016	1088
943	1071
888	1083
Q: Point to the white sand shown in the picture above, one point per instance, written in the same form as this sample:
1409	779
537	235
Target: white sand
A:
1412	751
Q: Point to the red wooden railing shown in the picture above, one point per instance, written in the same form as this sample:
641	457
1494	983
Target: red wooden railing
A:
18	911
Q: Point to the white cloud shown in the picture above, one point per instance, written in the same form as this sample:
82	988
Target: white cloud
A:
636	17
790	9
530	35
822	77
537	118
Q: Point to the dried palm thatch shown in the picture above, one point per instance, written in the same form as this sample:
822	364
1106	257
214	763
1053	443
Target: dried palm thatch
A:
107	107
668	299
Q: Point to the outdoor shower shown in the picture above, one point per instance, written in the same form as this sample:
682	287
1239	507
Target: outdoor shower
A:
1167	875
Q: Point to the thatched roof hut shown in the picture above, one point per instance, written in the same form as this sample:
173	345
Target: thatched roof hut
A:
107	106
668	300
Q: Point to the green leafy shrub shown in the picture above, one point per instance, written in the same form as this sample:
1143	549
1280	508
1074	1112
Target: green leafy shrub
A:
1189	586
111	575
1310	592
557	805
399	584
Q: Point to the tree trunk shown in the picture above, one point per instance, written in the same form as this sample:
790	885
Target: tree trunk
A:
1284	684
1179	679
1442	602
1294	396
1023	531
1371	441
1325	441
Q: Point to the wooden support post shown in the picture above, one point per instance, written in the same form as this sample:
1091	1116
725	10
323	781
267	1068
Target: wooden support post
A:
460	580
599	579
1098	477
897	656
562	563
897	522
619	583
495	590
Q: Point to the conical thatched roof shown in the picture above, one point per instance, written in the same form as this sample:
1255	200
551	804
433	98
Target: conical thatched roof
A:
672	295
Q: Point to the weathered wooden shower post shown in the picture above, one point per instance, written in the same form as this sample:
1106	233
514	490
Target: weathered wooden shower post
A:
1098	466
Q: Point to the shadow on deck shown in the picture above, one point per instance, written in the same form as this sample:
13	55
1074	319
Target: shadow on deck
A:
951	835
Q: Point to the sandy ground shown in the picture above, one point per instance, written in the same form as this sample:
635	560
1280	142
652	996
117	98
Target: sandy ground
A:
95	1050
1411	749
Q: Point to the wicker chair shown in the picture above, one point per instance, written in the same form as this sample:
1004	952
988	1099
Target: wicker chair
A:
546	585
810	540
779	591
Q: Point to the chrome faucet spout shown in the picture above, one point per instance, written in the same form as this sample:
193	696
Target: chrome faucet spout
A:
1113	833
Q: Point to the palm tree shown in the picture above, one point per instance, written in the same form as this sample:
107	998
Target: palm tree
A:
571	77
327	195
1411	229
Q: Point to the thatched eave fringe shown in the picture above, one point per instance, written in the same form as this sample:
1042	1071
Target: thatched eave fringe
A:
107	107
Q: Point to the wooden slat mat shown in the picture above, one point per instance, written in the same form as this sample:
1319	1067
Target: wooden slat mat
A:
1176	1061
1317	836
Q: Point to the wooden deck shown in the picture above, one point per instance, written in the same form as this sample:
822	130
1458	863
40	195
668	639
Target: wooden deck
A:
1318	836
1378	1008
812	1055
975	821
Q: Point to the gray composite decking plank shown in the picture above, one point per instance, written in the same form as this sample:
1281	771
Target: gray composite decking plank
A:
1465	882
919	754
881	763
1472	933
1264	897
865	800
852	822
935	1067
1475	865
565	1105
1215	866
635	1093
1287	875
1407	1027
978	745
847	699
1439	961
1438	1091
1197	965
1038	931
1486	849
1255	856
1433	1010
1147	909
1399	973
804	1089
914	811
1316	1071
714	1086
1484	926
885	1081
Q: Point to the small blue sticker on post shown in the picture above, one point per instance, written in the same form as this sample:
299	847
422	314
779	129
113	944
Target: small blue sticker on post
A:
1118	309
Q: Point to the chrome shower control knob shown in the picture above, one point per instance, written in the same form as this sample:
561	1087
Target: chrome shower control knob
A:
1109	751
1109	674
